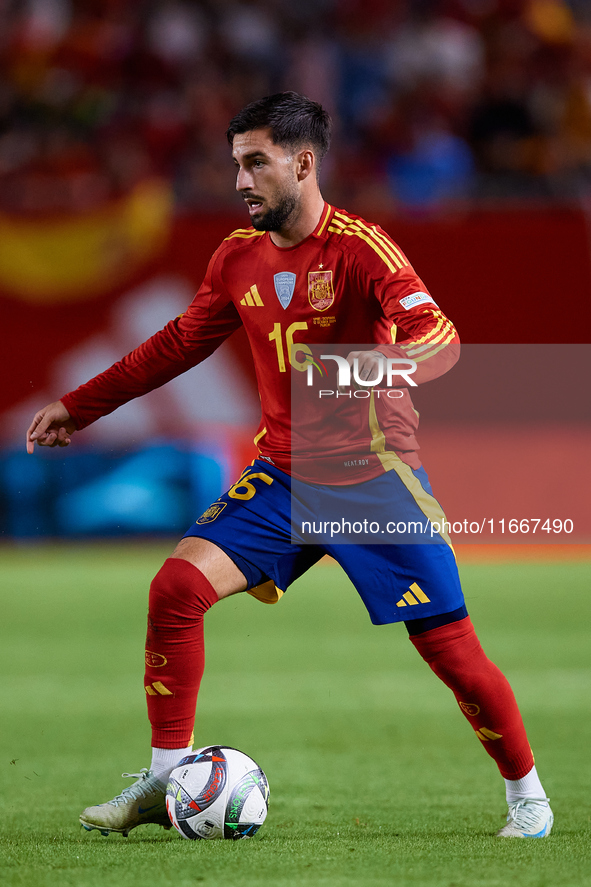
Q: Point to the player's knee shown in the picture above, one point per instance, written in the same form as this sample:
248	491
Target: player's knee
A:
447	643
179	592
451	651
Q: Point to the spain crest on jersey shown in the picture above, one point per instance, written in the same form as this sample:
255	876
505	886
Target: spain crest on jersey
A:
320	291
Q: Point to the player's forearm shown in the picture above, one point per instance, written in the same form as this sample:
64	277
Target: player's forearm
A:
434	361
433	342
157	361
107	391
431	361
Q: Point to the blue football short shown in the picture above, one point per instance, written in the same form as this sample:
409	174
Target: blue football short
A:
275	528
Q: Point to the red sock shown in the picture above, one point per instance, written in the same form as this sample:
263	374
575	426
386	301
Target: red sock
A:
179	597
482	692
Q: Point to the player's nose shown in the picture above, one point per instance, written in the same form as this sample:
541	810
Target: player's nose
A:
244	180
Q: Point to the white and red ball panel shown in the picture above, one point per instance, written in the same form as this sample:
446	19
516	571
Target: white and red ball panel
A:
217	792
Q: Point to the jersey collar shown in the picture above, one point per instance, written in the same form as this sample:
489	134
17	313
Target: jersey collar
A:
324	219
319	231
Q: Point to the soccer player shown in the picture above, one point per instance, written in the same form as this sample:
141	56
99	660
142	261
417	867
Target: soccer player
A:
303	276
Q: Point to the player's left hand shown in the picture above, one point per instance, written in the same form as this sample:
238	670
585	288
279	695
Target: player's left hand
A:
368	363
51	427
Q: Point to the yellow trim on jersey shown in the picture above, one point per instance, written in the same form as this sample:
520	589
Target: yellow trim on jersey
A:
448	333
379	236
388	245
342	224
244	232
391	462
443	332
257	438
384	237
441	321
326	218
373	245
435	350
336	220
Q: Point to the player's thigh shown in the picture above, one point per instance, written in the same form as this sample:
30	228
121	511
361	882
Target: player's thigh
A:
243	539
217	567
398	583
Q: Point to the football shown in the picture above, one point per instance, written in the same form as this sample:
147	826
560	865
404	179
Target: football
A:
217	792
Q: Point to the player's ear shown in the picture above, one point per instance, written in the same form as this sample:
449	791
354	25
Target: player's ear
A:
306	163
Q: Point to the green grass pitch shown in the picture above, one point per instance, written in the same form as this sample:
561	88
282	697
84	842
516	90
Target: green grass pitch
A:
376	778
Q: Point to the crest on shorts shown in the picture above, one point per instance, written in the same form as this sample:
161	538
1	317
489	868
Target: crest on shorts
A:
284	287
211	513
320	291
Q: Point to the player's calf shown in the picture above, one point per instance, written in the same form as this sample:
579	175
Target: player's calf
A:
487	702
180	595
483	693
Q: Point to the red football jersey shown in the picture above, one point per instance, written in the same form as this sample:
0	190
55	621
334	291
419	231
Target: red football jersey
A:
347	283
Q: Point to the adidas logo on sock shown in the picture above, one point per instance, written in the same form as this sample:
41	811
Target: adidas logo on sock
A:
485	734
158	689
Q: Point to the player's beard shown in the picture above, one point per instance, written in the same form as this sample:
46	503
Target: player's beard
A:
275	217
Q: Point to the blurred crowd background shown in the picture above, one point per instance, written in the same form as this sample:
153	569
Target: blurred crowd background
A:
434	101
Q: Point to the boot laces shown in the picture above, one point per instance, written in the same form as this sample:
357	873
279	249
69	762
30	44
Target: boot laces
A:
526	813
137	790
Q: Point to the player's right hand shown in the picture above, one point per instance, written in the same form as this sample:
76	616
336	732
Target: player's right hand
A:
51	427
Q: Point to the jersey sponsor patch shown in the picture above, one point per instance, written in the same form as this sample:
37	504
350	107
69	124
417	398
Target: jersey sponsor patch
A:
416	299
284	287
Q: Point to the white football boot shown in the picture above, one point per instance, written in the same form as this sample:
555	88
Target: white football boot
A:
528	818
138	804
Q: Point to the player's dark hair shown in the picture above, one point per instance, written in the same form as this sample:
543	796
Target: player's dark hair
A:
295	122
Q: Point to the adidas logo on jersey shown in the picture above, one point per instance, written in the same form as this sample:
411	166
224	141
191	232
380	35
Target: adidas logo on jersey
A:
252	298
410	599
